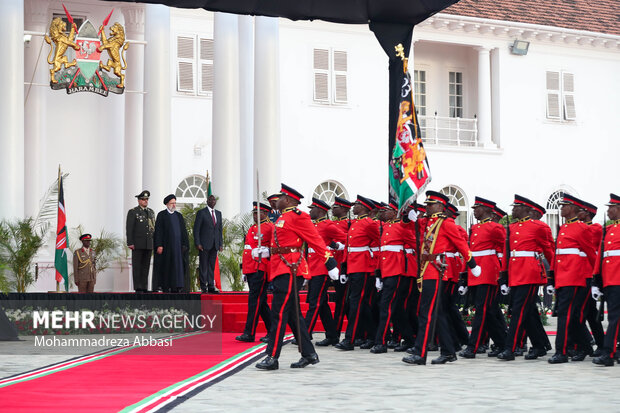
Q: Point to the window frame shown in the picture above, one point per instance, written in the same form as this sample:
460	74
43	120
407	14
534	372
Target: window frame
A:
331	75
197	64
565	114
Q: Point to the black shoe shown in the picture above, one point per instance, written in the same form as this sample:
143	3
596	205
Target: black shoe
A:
411	350
598	352
306	360
603	360
213	290
368	344
358	342
579	356
326	342
432	347
392	344
294	341
558	358
443	359
494	353
268	363
378	349
548	346
535	353
245	338
506	355
481	350
264	339
404	346
468	353
520	351
345	345
415	359
204	290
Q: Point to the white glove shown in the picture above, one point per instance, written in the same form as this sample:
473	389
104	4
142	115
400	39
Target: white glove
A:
339	246
505	290
379	284
476	271
304	284
343	278
333	273
596	293
263	251
244	278
462	290
413	215
550	290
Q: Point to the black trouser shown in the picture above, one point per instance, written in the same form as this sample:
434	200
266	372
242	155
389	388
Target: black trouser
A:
206	263
390	301
358	304
257	302
612	297
371	316
282	313
318	306
405	319
342	304
524	317
590	314
140	263
485	318
432	314
458	327
570	303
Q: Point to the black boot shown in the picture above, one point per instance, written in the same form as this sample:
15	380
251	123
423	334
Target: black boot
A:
326	342
268	363
306	360
415	359
468	353
378	349
603	360
558	358
368	344
245	337
444	358
345	345
506	355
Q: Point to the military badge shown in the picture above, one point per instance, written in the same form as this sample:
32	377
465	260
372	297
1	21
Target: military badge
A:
76	57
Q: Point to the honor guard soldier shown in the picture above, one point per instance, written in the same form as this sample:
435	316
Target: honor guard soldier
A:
84	269
254	266
340	211
274	214
590	313
486	242
334	237
363	233
140	229
607	278
523	273
291	230
568	279
440	235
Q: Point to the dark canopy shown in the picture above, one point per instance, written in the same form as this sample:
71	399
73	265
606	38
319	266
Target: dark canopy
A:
338	11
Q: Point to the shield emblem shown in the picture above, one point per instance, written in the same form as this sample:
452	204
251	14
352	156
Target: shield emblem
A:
87	56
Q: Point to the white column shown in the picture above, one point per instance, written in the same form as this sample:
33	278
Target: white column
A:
134	105
246	106
226	158
36	19
12	109
267	103
157	84
484	97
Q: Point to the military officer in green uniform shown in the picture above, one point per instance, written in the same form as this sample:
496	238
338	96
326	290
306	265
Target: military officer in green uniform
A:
140	228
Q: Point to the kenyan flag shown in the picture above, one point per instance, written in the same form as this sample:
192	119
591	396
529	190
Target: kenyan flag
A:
60	260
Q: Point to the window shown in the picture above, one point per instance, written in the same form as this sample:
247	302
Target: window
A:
328	191
330	76
191	190
195	65
455	85
78	20
419	98
553	210
561	96
457	197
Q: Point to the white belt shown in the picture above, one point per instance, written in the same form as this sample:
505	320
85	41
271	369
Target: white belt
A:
392	248
483	253
247	247
310	250
500	255
570	251
612	253
409	250
358	249
522	254
450	254
374	249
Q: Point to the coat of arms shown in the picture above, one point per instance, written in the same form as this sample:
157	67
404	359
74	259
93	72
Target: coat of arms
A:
83	70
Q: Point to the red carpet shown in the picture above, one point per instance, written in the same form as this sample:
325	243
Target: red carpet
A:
123	380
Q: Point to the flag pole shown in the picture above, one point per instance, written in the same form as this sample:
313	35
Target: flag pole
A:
58	282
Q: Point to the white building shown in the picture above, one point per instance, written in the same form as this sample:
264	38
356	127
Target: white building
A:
306	103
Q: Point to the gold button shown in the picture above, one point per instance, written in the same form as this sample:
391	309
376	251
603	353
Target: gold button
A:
559	242
562	233
607	261
515	241
475	235
559	261
514	259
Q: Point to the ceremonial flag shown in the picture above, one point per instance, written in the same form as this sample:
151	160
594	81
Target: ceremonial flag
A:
209	193
410	172
60	260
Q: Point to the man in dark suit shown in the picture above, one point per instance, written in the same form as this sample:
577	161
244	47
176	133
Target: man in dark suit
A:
208	240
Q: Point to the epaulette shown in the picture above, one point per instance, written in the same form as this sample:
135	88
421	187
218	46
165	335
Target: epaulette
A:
297	211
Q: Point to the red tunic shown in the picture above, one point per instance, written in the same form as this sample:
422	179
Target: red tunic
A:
362	235
527	238
292	228
575	255
248	264
410	248
330	232
611	256
596	233
449	238
344	225
453	258
392	256
486	241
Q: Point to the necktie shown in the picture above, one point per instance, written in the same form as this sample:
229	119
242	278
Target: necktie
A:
213	216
